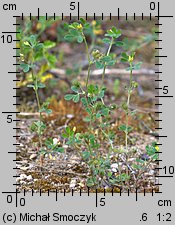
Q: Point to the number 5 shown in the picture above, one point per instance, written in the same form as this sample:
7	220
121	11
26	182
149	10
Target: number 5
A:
102	201
9	119
72	6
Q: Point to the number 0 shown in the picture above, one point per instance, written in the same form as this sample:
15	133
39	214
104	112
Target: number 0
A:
22	201
152	5
7	39
9	199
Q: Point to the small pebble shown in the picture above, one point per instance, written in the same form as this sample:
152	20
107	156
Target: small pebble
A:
33	156
70	116
114	167
151	172
29	178
72	184
23	176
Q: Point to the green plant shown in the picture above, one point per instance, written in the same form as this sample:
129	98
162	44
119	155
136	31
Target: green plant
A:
53	145
99	114
132	85
32	28
134	44
142	164
92	99
37	57
36	52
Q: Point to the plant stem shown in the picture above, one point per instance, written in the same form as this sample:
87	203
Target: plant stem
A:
89	59
128	102
37	97
87	80
104	68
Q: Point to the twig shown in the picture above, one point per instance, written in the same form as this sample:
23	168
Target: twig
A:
60	72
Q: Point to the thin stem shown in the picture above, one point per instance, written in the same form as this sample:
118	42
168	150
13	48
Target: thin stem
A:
109	49
37	97
128	102
89	59
88	76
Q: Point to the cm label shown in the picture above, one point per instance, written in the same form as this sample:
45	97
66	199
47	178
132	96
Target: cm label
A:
9	7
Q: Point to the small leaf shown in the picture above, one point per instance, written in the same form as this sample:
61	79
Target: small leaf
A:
86	26
98	115
41	85
69	37
47	111
106	59
137	66
106	40
68	97
114	32
26	43
101	94
42	151
125	56
119	43
38	55
139	160
132	113
74	33
80	39
135	166
99	65
84	101
49	142
83	21
122	127
25	67
51	59
49	44
59	149
87	119
90	182
105	111
74	89
124	60
76	98
30	86
111	63
64	135
129	68
89	111
86	155
39	46
32	40
68	130
91	89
